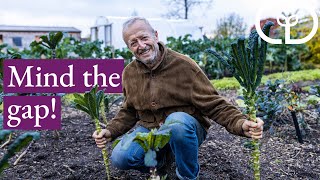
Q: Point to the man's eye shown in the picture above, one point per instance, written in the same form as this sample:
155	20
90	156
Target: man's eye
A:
133	44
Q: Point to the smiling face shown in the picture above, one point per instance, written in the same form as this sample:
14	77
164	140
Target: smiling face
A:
142	40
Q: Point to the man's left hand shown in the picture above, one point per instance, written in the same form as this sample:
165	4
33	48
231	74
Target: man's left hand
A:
252	129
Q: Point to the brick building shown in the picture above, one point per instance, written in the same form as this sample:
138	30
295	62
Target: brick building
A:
21	36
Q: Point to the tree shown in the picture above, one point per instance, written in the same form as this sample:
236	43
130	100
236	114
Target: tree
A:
180	9
230	26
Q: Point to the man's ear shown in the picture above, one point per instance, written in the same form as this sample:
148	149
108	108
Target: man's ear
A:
156	35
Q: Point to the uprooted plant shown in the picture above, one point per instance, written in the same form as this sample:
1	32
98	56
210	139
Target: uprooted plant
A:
90	103
247	65
151	142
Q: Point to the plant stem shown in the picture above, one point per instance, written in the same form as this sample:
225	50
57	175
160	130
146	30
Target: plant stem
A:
251	111
103	113
53	53
256	159
23	153
106	162
153	173
104	151
8	141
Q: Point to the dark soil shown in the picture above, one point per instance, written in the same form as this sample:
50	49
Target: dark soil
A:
74	154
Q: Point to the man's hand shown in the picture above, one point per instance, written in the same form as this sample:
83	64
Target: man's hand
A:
102	138
252	129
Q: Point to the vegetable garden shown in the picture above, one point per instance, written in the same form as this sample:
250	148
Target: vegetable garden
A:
288	102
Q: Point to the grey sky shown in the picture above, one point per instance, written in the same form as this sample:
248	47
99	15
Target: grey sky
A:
83	13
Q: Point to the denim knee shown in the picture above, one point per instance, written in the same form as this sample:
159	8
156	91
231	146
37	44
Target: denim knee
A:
183	124
127	159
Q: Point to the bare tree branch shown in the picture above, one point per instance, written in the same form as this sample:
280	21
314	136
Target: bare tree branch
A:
231	26
180	9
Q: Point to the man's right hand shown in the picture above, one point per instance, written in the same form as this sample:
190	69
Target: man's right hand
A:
102	138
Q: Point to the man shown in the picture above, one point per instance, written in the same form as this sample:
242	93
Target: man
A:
162	86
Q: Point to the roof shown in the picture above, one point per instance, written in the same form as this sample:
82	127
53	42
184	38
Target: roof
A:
7	28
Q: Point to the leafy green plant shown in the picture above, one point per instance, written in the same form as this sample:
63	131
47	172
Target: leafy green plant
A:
51	42
195	49
90	103
247	66
18	144
269	101
151	142
315	90
89	49
314	99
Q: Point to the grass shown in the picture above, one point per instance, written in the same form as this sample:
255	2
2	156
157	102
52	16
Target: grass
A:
295	76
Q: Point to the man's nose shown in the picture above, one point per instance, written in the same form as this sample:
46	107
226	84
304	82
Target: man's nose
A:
141	44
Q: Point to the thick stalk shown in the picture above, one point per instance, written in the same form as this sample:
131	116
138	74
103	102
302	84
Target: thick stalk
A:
104	151
251	110
103	113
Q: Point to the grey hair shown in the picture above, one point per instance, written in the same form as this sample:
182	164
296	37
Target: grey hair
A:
132	20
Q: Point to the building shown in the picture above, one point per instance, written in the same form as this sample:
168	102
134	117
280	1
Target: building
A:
21	36
109	30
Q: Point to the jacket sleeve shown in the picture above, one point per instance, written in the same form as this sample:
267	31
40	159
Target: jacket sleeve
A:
123	121
205	98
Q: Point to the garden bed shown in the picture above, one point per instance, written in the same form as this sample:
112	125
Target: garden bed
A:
222	156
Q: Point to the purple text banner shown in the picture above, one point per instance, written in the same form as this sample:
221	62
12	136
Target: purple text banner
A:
62	75
32	113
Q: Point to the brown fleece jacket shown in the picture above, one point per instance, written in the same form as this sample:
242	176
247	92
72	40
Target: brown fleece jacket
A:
175	84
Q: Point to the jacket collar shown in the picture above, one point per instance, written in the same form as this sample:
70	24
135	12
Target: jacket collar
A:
142	68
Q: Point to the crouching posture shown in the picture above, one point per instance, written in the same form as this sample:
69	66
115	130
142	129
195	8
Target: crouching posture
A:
163	86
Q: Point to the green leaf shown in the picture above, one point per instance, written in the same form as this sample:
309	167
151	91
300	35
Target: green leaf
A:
93	105
89	100
44	39
78	96
144	139
99	97
81	102
244	61
51	42
56	39
34	43
3	165
83	108
143	144
237	63
161	138
106	100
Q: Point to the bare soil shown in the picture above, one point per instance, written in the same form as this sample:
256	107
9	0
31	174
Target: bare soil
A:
74	154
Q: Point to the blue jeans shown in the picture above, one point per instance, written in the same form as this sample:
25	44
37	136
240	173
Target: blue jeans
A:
187	136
